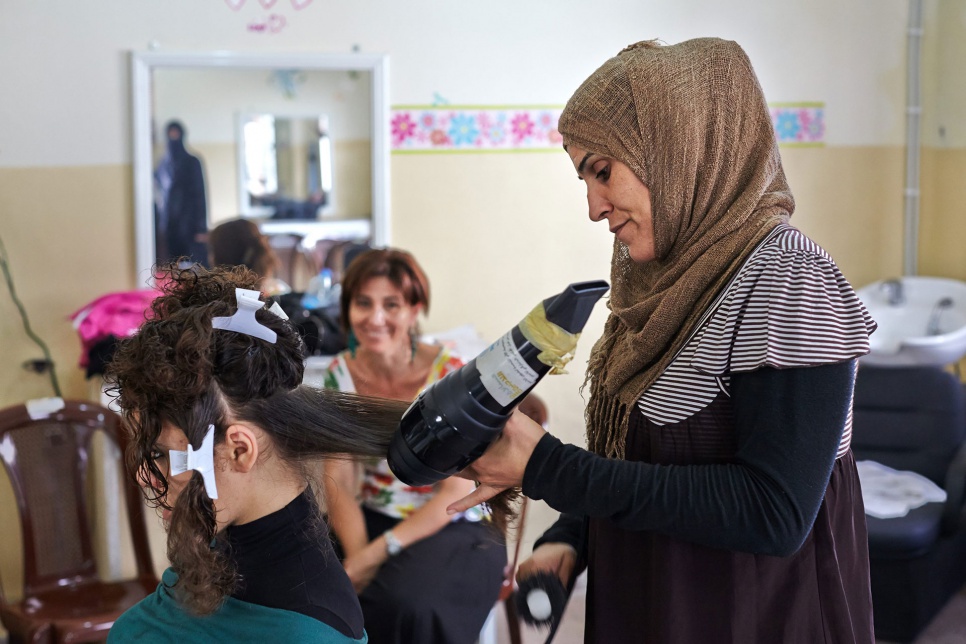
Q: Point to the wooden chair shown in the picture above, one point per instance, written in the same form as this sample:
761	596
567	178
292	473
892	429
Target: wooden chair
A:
536	409
46	458
296	267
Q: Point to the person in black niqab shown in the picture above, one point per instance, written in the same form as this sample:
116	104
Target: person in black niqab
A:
181	209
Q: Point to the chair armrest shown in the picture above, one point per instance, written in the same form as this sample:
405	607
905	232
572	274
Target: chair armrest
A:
952	518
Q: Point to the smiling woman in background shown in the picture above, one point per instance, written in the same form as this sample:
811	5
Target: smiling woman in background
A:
423	575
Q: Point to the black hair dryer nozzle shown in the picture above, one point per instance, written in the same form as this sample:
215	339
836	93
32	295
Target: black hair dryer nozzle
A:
453	420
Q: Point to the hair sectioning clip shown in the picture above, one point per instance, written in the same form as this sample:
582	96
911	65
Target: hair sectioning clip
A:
276	308
203	461
243	321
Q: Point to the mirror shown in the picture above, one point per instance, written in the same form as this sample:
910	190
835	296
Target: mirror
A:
321	168
284	166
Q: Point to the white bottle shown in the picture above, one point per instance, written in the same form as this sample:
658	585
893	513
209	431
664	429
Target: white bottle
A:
322	292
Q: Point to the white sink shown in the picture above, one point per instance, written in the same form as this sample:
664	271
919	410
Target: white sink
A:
924	325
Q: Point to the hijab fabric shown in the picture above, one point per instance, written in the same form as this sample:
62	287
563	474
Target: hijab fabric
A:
691	121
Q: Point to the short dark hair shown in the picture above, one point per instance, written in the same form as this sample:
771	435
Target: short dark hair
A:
399	266
240	242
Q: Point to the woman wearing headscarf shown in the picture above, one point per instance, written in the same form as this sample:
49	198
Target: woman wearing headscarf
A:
181	204
718	500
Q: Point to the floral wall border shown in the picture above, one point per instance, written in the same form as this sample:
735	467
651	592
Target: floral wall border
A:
422	129
474	128
798	124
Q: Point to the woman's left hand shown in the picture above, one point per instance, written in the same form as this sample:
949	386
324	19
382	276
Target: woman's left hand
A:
503	463
363	565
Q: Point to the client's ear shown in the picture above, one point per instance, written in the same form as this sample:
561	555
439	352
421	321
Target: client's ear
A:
242	443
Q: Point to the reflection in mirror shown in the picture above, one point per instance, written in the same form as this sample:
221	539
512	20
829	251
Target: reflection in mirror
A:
285	166
321	171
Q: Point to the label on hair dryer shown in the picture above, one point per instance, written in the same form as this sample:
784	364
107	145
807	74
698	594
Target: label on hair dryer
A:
503	371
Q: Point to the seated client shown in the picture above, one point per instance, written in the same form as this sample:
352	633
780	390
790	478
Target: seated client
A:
224	442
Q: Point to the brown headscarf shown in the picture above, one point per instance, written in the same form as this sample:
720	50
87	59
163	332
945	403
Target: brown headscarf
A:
691	121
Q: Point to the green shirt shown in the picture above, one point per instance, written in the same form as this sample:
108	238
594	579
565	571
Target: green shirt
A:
159	619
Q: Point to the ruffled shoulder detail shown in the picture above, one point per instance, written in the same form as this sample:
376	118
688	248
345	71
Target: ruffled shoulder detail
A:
789	306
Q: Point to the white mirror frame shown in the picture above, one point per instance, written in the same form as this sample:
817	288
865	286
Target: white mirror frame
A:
144	63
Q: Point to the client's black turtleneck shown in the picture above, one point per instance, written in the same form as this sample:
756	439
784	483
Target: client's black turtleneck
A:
285	560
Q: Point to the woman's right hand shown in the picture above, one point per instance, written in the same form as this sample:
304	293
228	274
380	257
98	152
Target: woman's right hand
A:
503	463
557	558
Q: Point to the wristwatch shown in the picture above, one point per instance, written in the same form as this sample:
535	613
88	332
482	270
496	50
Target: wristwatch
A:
393	545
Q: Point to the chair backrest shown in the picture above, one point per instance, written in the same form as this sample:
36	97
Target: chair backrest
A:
296	266
47	460
534	407
341	254
909	418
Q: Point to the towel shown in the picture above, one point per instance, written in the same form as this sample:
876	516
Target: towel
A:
889	493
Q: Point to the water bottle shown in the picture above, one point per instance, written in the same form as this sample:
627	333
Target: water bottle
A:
451	423
322	292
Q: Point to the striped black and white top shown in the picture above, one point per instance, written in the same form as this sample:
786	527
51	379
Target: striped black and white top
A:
788	306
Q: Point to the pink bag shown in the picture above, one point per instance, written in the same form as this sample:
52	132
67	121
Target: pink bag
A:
118	314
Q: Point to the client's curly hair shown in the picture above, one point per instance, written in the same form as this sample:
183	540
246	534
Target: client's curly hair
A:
177	369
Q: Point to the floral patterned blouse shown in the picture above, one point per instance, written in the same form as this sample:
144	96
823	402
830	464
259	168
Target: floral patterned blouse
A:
381	490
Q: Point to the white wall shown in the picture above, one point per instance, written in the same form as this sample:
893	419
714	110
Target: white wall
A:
65	62
208	101
943	85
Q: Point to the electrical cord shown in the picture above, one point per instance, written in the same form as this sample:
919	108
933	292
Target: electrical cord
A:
5	267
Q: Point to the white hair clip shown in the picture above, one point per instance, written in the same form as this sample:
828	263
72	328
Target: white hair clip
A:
276	308
243	321
203	461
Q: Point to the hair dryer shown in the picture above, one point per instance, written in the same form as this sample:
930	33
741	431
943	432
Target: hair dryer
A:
451	423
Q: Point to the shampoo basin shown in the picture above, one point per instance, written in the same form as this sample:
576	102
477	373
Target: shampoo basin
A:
922	321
